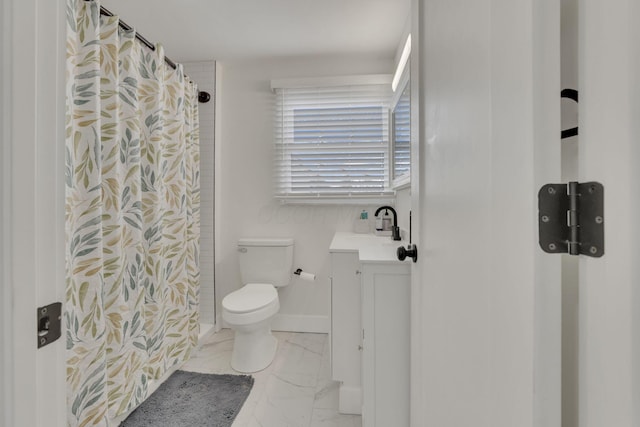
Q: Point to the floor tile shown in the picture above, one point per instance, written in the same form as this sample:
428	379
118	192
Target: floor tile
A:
331	418
296	390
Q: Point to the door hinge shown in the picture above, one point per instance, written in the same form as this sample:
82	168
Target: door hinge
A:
49	323
571	218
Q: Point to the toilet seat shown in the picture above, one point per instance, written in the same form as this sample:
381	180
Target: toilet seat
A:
251	297
252	303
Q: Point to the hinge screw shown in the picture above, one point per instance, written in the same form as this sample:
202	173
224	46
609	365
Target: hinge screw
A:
43	310
545	218
593	250
552	246
599	220
552	190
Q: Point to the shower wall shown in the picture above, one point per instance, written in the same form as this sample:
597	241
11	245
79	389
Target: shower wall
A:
204	74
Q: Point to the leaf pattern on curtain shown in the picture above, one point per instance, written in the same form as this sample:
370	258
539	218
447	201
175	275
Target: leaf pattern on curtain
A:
132	217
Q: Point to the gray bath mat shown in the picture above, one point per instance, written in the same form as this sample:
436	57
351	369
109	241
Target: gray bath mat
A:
190	399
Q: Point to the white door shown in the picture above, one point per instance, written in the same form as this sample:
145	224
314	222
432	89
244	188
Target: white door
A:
609	354
33	208
485	299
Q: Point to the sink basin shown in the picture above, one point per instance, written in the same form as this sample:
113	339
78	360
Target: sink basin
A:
370	248
381	251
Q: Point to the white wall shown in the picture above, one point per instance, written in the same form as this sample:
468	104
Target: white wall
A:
204	74
403	197
6	381
403	206
247	207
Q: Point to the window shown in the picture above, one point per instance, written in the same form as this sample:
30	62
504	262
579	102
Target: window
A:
332	143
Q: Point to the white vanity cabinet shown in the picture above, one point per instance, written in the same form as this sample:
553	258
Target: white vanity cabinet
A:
386	296
370	300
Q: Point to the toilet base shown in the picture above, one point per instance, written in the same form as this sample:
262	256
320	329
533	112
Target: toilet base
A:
254	347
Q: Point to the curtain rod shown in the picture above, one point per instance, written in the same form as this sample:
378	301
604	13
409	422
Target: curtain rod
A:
106	12
202	96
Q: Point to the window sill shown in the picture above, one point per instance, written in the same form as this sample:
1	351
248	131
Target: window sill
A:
328	200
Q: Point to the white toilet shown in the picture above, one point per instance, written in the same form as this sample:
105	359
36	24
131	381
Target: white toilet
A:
265	264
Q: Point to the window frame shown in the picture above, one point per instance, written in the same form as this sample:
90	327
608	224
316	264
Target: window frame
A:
284	141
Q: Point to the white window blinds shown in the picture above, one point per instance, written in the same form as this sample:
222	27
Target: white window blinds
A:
332	142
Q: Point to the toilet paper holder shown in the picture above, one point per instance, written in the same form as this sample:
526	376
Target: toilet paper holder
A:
304	275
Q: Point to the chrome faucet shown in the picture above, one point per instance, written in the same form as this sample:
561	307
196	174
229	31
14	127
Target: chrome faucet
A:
395	230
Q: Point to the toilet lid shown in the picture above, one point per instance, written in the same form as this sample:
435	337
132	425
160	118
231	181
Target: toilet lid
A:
251	297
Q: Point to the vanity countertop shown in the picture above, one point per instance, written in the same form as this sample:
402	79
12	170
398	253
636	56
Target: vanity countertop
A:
370	248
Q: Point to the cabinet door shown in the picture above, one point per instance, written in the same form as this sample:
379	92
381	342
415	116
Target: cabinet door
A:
345	318
386	295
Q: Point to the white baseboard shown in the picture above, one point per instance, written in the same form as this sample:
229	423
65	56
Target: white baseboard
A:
301	323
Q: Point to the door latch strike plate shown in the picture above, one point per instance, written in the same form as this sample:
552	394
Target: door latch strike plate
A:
49	323
571	218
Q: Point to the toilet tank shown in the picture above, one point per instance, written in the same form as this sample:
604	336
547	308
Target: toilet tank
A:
266	260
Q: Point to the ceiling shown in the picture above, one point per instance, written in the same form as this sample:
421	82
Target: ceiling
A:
198	30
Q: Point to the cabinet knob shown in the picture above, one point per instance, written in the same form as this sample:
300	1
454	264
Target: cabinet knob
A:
358	272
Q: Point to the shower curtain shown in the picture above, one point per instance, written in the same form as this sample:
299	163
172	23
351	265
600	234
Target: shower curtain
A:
132	217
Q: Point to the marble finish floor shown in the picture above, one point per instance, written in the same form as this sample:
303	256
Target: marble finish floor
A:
294	391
